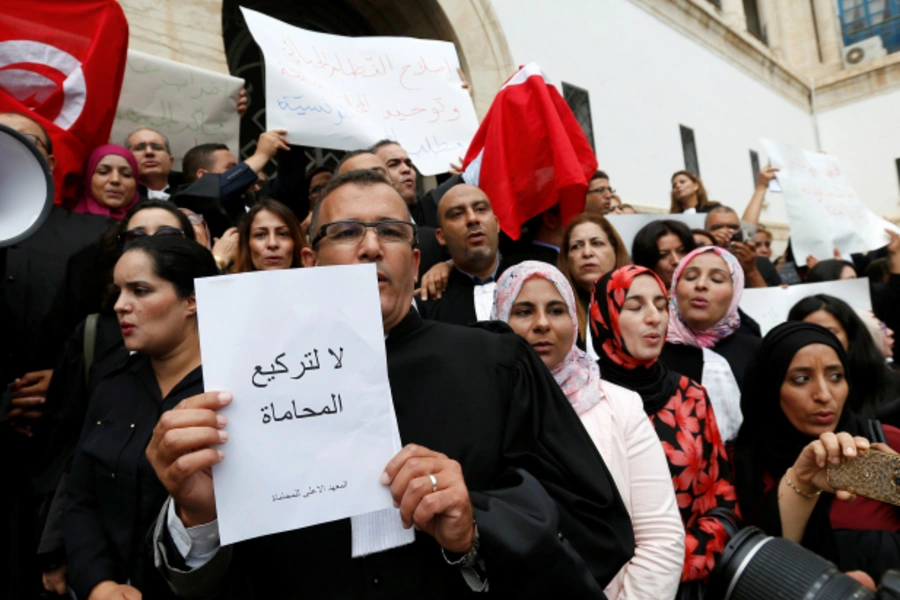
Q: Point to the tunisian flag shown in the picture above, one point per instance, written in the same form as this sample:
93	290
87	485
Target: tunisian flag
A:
530	153
62	63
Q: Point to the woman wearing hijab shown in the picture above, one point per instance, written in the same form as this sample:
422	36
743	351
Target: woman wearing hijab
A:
629	318
110	183
707	340
538	303
875	386
796	418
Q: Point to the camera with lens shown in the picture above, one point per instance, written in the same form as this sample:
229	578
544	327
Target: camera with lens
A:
755	566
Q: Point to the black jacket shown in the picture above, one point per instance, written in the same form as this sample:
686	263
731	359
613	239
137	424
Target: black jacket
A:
113	493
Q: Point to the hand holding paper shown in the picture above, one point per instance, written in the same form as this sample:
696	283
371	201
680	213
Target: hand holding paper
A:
182	451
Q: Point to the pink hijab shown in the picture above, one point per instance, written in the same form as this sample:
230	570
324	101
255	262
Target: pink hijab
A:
679	332
577	374
87	203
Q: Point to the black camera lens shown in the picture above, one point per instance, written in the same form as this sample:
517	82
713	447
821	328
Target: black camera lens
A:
755	566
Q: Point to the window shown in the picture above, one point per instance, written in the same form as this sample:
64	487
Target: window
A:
862	19
691	161
754	165
754	23
897	162
580	103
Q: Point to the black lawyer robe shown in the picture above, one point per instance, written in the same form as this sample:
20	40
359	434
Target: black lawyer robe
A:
457	303
551	521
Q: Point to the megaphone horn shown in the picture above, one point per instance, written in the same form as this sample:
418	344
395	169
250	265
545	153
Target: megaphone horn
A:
26	187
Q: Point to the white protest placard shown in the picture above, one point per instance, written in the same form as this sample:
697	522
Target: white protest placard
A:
347	93
770	306
823	210
187	104
312	423
627	226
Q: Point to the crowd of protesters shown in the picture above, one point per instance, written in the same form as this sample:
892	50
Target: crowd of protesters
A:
580	417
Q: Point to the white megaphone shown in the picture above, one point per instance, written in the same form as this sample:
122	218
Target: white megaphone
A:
26	187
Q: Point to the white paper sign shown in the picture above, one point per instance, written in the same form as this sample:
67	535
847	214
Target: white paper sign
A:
627	226
823	210
770	306
312	423
187	104
347	93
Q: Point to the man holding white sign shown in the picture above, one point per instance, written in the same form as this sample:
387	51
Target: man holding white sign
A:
500	479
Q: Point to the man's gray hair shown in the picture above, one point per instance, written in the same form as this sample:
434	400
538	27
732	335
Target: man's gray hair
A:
156	131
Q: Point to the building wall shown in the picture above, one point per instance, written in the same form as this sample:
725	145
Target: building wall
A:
645	79
865	136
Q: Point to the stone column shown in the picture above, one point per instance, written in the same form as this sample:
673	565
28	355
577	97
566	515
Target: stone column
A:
733	14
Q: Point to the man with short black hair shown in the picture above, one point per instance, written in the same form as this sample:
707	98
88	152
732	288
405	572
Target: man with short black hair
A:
505	488
599	194
724	223
404	176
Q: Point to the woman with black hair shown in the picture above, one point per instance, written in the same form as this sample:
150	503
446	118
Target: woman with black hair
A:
831	270
796	419
874	384
660	246
113	493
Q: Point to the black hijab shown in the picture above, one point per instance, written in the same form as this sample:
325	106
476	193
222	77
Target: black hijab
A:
767	442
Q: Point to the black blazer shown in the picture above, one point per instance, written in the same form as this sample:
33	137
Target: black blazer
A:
113	493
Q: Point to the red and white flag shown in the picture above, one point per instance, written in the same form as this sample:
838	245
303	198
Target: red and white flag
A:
63	61
530	153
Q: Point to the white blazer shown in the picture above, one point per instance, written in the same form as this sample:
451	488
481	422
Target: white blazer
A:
635	458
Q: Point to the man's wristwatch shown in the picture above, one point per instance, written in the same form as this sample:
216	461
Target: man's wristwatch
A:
469	559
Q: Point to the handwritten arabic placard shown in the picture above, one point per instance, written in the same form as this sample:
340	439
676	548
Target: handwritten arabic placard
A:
770	306
823	210
189	105
347	93
312	423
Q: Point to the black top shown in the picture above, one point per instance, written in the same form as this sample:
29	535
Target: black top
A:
457	303
737	349
768	271
886	301
34	272
550	521
113	493
535	251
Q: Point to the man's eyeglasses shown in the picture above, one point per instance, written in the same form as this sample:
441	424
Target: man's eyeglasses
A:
130	235
37	141
731	226
389	231
602	190
154	146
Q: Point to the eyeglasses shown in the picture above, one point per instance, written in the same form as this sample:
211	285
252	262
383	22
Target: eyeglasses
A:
731	226
389	231
602	190
143	147
130	235
37	141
